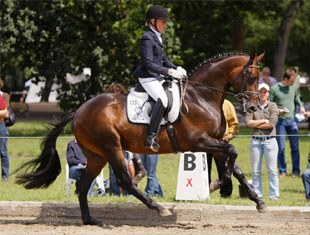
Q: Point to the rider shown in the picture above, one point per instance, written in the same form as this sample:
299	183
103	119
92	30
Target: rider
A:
153	67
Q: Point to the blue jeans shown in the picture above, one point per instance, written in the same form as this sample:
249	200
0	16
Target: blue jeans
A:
269	149
5	163
75	173
290	127
306	181
153	187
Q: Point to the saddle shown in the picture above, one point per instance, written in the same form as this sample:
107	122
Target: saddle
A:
140	104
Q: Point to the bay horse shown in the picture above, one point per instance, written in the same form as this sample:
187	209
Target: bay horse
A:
102	131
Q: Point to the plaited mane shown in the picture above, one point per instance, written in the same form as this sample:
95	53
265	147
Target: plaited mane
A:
215	58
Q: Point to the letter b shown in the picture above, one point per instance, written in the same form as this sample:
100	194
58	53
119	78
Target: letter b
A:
189	162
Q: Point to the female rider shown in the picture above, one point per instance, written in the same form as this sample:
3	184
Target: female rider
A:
153	67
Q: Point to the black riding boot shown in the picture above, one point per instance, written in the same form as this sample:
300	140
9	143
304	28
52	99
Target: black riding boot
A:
157	115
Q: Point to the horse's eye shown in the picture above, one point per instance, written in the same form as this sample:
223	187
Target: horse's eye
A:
252	78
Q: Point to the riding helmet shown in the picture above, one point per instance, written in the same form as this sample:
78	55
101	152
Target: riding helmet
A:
157	12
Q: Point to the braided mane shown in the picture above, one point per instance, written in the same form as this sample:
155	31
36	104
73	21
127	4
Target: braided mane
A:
215	58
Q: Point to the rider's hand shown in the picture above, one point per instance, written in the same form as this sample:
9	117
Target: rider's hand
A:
81	166
182	70
176	73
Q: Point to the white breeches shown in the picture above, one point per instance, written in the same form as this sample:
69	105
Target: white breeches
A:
155	89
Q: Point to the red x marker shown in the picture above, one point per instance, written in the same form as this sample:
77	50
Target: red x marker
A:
189	182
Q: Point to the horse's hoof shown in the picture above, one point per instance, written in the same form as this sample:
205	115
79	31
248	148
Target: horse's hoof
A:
165	212
261	208
213	186
93	221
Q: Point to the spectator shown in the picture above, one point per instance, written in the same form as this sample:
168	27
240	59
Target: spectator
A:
4	133
77	163
263	122
306	179
232	128
153	187
266	78
285	95
5	163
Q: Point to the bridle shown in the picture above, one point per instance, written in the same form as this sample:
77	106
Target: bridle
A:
244	94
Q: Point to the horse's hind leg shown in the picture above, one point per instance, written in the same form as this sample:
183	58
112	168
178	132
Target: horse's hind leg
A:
94	166
82	187
119	167
260	204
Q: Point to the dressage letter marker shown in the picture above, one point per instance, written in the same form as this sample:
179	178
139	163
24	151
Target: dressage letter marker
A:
193	182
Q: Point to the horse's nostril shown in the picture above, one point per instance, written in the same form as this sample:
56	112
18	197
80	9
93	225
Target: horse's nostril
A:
252	109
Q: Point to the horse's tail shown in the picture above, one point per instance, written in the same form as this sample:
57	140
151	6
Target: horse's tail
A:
45	168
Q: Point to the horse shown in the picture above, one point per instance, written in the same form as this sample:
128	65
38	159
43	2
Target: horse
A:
102	131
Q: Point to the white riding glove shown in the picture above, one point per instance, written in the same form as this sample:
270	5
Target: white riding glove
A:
81	166
183	71
176	73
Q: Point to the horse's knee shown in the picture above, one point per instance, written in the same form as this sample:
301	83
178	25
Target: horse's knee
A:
232	151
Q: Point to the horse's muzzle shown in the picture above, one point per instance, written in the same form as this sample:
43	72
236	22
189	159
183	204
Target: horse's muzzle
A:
250	107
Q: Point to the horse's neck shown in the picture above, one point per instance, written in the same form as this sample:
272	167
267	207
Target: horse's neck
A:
210	87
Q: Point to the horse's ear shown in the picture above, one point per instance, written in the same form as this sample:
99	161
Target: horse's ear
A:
252	56
260	57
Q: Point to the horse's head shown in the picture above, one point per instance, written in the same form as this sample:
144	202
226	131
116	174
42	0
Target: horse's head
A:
247	82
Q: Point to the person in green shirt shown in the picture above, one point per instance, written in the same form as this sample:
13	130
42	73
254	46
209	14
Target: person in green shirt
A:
286	96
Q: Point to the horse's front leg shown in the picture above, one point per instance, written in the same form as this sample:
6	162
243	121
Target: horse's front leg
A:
228	156
82	187
260	204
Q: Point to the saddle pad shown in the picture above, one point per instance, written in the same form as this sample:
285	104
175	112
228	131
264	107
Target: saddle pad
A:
138	107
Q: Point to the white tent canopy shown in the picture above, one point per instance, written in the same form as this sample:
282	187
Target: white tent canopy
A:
33	94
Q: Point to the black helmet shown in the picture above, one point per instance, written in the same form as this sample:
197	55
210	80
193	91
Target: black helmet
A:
157	12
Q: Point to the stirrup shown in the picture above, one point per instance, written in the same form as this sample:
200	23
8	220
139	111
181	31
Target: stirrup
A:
152	144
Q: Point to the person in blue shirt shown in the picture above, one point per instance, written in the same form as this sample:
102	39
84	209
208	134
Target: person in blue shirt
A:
305	176
77	163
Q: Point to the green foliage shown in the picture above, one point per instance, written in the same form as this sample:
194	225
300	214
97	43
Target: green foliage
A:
51	38
22	149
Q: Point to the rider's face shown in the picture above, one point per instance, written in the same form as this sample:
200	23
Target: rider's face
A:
161	24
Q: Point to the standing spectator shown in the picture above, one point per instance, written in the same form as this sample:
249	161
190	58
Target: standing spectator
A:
77	163
263	122
266	77
285	95
153	187
232	129
4	133
306	179
5	163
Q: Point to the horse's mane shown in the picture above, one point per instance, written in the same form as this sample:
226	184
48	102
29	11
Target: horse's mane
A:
215	58
116	88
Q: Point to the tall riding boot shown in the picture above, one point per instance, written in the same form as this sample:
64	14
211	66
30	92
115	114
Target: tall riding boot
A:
156	117
139	168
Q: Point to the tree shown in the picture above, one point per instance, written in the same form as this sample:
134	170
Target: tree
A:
51	38
285	30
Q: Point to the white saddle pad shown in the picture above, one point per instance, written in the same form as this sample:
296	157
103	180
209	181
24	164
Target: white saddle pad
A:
138	107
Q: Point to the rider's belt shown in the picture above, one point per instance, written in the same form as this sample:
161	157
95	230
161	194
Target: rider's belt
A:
263	137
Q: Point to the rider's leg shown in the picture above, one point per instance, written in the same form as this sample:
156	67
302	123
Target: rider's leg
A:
156	117
155	89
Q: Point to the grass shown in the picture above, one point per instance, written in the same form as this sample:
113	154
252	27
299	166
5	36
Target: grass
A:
22	149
